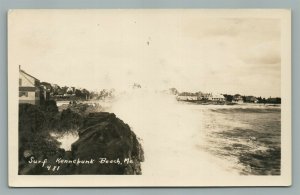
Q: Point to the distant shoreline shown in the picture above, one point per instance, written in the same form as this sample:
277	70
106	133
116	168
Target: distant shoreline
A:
201	102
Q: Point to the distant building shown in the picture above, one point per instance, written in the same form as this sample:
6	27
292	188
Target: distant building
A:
251	99
186	96
218	98
207	96
199	95
213	97
29	88
237	98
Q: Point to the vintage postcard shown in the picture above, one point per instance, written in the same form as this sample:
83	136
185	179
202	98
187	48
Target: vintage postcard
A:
149	97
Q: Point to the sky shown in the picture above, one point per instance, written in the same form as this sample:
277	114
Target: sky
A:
159	49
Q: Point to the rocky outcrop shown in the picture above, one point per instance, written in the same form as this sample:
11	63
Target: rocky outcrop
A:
104	136
101	136
34	140
70	120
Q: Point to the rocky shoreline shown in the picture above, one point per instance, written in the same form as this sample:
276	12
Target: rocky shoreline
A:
104	140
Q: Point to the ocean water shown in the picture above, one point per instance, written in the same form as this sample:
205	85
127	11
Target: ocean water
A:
248	137
203	141
206	141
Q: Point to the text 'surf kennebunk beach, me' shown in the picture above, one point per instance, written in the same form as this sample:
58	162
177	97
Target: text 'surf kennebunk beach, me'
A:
154	93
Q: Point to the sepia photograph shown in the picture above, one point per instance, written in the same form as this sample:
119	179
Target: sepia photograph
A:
149	97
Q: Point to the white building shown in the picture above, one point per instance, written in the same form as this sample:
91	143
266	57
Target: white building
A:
213	97
29	90
185	97
218	98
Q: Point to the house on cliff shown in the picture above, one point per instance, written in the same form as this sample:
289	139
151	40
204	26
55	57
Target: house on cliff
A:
29	88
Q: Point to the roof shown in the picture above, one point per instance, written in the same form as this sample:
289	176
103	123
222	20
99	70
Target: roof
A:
187	94
28	74
218	96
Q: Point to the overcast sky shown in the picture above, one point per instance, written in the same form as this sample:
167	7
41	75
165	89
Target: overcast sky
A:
157	49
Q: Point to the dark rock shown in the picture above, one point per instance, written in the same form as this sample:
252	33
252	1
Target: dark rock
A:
34	139
49	107
31	118
70	119
103	135
84	109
